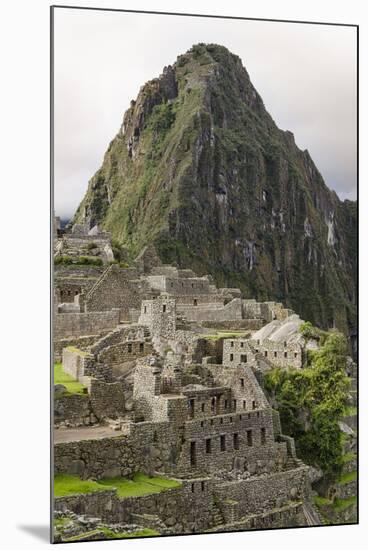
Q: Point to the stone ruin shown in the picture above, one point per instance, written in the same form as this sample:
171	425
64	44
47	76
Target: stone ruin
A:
153	350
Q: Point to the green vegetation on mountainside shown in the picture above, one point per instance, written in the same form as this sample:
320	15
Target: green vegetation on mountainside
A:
311	401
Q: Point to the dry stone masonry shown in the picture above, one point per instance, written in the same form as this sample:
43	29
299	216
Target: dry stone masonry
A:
170	366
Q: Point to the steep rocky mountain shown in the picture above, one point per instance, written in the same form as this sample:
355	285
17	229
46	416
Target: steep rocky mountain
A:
200	171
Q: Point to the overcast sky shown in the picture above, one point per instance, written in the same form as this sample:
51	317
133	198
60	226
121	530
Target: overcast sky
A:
306	75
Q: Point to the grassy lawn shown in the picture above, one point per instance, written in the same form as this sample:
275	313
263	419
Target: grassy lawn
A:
347	478
67	485
139	485
61	377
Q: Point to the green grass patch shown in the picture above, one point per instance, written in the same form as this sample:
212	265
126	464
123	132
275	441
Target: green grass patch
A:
350	411
139	485
67	485
341	504
72	385
321	501
348	457
347	478
142	533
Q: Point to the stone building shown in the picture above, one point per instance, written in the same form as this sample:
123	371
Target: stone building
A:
183	400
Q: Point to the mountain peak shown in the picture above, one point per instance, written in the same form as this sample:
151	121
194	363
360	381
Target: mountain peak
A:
200	171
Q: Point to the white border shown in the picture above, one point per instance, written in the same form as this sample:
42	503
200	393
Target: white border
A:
25	270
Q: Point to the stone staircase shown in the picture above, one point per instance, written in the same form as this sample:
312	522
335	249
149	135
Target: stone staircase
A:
217	517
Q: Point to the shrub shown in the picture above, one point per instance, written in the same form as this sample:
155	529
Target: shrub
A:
320	391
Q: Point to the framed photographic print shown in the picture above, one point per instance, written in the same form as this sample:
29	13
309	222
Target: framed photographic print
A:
204	182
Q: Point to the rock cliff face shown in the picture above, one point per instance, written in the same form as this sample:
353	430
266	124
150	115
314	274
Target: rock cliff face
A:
200	170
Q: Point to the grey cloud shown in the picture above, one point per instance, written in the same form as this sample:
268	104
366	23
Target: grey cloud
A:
306	75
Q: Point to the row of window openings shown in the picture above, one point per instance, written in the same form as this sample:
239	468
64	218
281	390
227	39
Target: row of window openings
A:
230	419
244	358
182	284
258	342
191	403
236	444
68	292
141	347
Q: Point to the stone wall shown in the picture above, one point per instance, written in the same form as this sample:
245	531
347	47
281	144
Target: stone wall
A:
82	342
281	354
159	316
212	311
182	286
96	458
117	288
67	325
107	399
256	495
187	509
73	409
237	351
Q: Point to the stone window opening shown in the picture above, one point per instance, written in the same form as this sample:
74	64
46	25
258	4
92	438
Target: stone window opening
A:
202	424
130	348
221	420
202	486
285	344
258	342
253	405
193	455
164	308
192	487
222	443
145	309
248	415
266	353
257	414
236	441
240	417
295	354
75	292
155	436
243	358
195	302
213	404
249	438
211	421
208	446
263	436
231	419
231	357
171	284
203	407
225	404
232	343
141	347
244	404
69	292
242	344
275	353
285	354
234	404
242	382
191	407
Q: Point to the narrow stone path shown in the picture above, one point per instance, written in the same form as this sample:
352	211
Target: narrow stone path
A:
64	435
